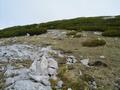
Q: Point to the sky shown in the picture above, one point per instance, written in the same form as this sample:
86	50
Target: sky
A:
22	12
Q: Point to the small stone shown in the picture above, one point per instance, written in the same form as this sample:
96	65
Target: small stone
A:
94	83
54	77
102	57
98	33
117	84
85	62
60	55
71	60
60	84
27	34
69	89
80	72
99	38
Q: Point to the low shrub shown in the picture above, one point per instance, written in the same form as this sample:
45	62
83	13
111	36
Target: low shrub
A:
21	31
92	28
93	42
111	33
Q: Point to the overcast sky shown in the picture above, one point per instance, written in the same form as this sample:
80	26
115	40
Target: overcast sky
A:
20	12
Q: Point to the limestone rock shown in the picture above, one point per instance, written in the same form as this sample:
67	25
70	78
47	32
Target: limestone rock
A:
60	84
71	60
85	62
69	89
28	85
37	76
102	57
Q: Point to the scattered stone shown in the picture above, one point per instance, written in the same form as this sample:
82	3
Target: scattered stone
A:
54	77
69	89
92	85
13	39
80	72
56	34
27	34
117	84
60	84
98	33
102	57
99	38
84	34
85	62
60	55
71	60
91	81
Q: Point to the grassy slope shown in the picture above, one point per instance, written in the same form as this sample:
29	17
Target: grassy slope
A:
104	76
110	26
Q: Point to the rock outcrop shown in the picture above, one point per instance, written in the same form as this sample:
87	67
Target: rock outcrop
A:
37	76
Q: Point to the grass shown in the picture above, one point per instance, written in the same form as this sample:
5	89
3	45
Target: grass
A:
53	84
70	79
2	77
19	64
2	81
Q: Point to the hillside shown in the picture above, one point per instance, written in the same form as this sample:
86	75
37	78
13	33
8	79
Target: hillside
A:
109	25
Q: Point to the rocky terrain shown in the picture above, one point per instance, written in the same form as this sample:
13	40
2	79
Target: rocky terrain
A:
59	61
